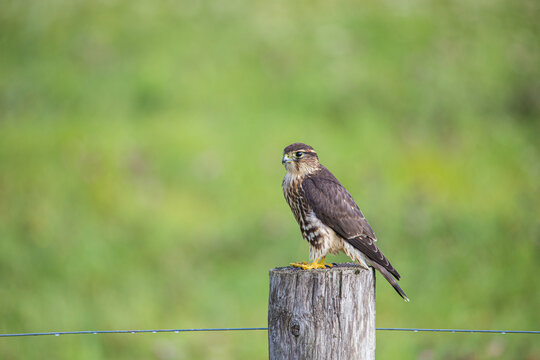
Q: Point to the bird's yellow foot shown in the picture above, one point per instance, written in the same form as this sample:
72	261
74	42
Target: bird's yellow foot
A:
321	262
317	264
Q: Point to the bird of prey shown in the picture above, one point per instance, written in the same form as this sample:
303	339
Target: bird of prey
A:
329	218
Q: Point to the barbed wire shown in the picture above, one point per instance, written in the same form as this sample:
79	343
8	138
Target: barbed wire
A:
464	331
177	331
95	332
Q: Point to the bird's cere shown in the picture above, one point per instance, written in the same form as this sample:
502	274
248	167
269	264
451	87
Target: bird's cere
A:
285	159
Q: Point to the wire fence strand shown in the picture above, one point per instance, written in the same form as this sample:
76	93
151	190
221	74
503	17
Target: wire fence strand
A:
177	331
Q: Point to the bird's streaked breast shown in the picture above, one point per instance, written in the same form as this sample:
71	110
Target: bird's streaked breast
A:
294	194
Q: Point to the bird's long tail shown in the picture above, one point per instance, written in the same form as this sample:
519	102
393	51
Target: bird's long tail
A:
390	279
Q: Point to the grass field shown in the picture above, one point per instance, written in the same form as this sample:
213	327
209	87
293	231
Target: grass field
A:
140	174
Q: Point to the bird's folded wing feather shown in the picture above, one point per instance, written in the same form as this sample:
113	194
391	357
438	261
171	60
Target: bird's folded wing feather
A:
335	207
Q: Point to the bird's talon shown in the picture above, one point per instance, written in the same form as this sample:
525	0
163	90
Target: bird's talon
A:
317	264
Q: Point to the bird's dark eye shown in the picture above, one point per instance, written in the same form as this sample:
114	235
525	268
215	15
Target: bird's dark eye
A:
298	154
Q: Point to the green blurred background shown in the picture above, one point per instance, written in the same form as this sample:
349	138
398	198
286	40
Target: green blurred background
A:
140	174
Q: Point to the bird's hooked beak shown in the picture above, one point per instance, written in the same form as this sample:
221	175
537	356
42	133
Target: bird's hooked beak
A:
286	159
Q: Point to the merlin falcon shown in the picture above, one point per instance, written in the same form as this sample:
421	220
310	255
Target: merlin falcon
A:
329	218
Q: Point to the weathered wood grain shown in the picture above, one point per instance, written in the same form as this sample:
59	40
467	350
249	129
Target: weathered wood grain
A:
322	314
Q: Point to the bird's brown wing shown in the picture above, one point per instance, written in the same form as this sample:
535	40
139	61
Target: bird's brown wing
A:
336	208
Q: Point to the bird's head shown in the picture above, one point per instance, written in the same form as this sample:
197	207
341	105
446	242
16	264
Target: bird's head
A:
300	159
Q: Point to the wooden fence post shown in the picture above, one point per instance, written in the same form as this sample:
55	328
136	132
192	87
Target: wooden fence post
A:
322	314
